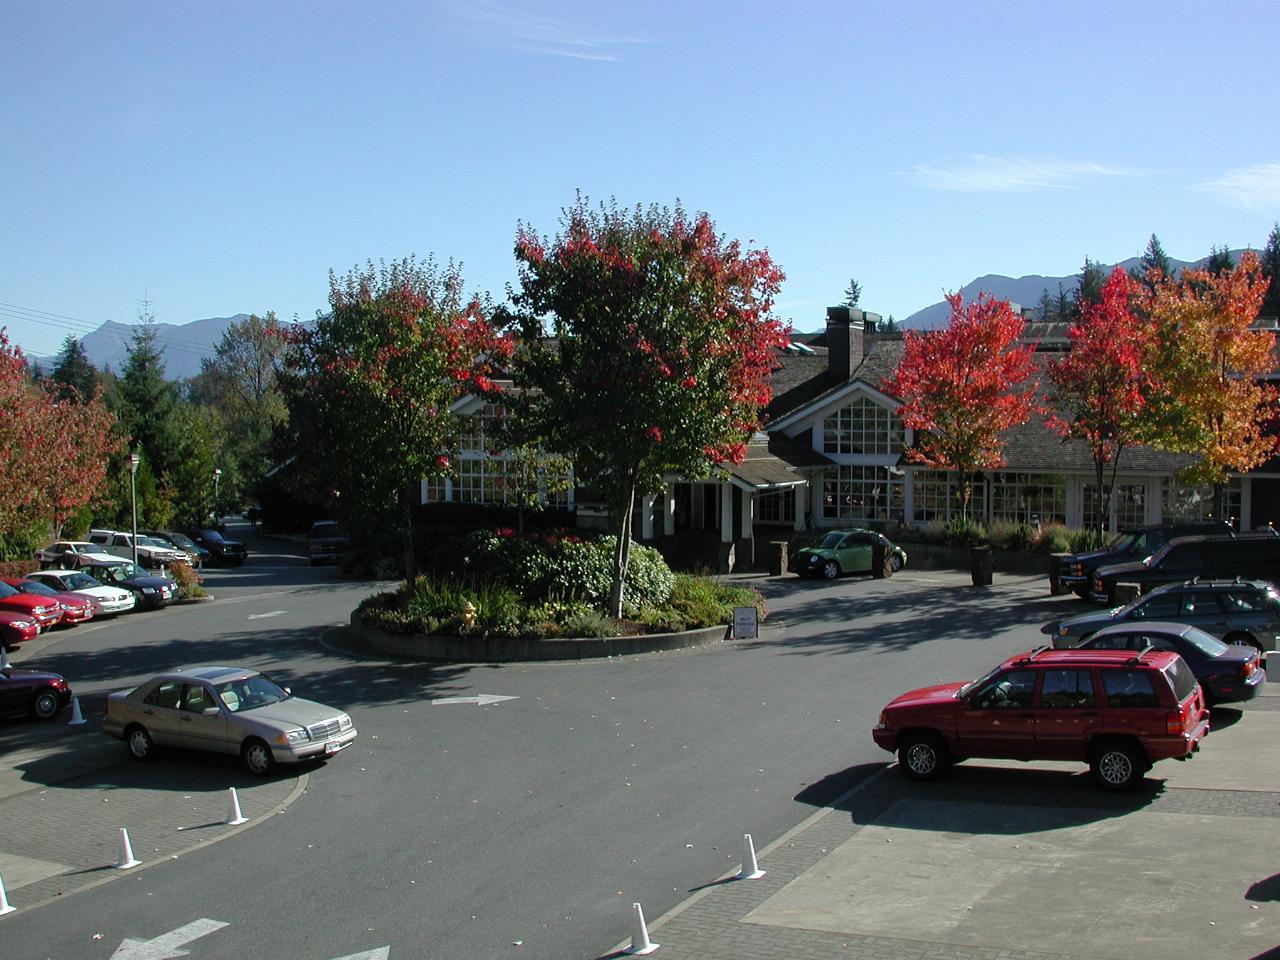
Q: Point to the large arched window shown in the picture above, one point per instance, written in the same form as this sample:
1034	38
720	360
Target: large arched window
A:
863	426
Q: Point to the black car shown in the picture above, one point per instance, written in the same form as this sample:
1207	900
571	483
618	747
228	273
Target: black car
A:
180	541
1075	571
231	553
152	592
1249	555
35	693
1227	672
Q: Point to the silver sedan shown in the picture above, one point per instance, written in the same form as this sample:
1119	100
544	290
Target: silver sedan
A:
227	710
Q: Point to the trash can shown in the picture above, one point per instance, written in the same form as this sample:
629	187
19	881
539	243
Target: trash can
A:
778	558
880	562
980	565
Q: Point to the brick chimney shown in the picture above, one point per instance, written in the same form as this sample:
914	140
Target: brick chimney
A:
846	333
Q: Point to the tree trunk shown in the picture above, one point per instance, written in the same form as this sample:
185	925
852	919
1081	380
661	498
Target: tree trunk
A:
409	547
622	554
1103	505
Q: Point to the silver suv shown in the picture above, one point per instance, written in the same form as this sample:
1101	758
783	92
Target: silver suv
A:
1235	611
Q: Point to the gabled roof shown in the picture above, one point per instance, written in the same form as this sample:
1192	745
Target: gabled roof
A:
774	461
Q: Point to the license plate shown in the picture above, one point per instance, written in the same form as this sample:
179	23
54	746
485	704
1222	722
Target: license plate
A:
332	747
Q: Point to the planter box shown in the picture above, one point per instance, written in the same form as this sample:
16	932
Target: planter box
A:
514	649
936	556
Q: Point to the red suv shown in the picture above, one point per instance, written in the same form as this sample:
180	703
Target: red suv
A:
1118	710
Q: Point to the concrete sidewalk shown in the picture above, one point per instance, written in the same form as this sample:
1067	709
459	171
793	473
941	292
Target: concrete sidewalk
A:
1031	861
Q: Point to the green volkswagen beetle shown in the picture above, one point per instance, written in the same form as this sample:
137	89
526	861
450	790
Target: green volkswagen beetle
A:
847	551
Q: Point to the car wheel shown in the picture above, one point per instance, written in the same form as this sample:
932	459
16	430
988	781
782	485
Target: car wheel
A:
257	757
141	746
831	569
44	705
922	756
1118	766
895	562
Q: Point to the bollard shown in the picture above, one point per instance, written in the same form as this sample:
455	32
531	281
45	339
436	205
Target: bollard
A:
235	816
750	869
77	718
126	852
5	906
640	942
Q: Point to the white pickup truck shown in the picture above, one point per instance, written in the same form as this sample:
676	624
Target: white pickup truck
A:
121	545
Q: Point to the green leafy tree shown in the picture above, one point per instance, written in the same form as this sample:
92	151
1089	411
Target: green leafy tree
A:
852	293
661	348
371	385
75	376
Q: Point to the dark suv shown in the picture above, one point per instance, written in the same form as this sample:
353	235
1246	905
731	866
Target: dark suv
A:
1075	571
1234	611
232	553
1118	710
1252	555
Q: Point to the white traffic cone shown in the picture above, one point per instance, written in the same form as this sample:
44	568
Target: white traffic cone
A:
235	816
4	657
750	869
5	906
77	718
640	942
126	852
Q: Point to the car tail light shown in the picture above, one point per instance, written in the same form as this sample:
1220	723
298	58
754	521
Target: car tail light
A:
1174	723
1248	667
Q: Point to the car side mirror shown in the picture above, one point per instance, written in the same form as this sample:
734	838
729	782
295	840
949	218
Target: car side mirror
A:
287	691
211	711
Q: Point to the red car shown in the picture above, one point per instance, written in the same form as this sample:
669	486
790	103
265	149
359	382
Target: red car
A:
1118	710
46	612
37	693
16	628
76	608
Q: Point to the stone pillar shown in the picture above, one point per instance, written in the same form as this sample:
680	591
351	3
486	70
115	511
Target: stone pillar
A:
801	495
669	510
646	518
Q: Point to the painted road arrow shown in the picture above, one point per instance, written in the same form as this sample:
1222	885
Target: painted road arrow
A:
484	699
382	953
167	945
263	616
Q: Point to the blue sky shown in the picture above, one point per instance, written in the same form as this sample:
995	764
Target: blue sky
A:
221	157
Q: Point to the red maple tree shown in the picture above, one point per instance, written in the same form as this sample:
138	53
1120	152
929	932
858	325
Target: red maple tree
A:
1100	386
54	454
963	386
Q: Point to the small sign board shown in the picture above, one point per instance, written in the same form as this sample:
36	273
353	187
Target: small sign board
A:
746	626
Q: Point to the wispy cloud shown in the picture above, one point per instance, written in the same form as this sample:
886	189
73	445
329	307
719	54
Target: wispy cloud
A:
983	174
509	24
1255	189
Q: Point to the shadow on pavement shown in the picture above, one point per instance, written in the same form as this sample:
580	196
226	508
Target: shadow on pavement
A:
825	792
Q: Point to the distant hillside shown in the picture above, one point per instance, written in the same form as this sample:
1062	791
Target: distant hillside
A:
1025	291
181	345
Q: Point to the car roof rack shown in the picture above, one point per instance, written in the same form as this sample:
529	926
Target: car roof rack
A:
1034	653
1147	646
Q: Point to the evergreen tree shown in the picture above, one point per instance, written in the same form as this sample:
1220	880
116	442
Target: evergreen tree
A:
1089	291
853	293
1271	271
1219	261
73	373
1062	306
149	401
1154	259
1045	305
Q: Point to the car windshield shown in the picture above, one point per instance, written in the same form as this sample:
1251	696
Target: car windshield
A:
153	542
831	540
118	572
180	541
326	529
79	581
6	590
1123	542
975	683
247	693
213	535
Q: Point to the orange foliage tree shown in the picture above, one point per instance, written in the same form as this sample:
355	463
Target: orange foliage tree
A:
1207	360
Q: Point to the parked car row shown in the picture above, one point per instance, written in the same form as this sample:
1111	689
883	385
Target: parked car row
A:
155	548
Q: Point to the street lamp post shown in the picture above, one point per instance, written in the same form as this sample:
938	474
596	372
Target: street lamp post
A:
217	475
134	460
